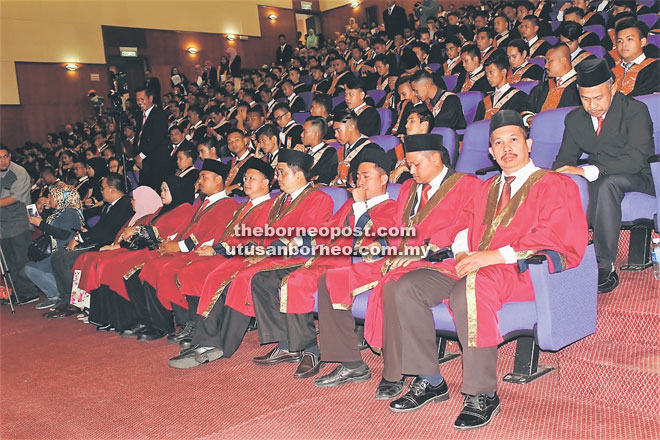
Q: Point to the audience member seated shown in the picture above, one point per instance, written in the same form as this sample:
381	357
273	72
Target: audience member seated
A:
504	96
474	77
636	74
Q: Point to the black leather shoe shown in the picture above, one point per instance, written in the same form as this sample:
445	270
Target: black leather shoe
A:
62	311
390	390
105	328
186	359
253	325
309	366
608	280
342	375
185	344
27	299
151	335
477	411
185	333
276	356
133	332
419	394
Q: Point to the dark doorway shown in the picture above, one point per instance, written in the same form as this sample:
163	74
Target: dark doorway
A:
134	69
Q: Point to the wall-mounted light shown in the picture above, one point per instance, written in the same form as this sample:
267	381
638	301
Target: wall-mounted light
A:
71	67
355	4
231	37
272	17
192	50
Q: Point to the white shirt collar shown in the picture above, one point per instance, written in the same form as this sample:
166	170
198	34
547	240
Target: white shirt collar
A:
215	197
316	148
356	141
244	155
376	200
297	192
435	184
146	112
521	176
260	200
476	71
364	104
639	59
567	75
521	66
503	89
292	97
575	53
533	40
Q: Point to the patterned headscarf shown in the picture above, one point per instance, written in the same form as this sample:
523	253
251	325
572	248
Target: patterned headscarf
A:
66	196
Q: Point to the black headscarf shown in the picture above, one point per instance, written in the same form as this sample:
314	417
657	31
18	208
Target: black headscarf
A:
180	194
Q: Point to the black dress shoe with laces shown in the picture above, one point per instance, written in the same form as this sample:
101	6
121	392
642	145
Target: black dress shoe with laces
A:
151	335
389	390
342	375
608	280
105	328
419	394
185	333
253	325
133	332
477	411
277	355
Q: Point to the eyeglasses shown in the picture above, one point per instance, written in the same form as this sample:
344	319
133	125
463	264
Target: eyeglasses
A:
277	118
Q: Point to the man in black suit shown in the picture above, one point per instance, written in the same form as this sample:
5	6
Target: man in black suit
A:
284	51
151	142
324	168
115	213
616	133
368	117
178	140
394	18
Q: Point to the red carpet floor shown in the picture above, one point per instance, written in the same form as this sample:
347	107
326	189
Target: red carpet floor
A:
63	380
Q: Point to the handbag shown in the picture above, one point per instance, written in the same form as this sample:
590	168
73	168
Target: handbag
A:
140	240
41	248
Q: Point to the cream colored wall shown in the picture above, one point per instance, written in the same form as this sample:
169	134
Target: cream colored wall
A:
324	5
64	31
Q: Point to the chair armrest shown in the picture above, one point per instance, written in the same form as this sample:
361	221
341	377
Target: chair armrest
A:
654	159
490	169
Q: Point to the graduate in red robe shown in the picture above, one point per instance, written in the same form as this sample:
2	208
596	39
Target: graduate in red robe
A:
220	329
520	213
437	204
154	281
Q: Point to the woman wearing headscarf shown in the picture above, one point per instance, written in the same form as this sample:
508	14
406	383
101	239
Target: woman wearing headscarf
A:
312	40
234	62
109	301
60	226
178	78
223	68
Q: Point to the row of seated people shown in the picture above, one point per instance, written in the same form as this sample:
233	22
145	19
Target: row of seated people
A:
202	272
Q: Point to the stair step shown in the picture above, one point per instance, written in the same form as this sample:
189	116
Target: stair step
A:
615	374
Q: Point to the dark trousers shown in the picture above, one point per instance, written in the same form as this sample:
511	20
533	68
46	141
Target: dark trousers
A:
138	300
337	337
604	213
107	307
148	309
298	329
409	339
183	315
62	262
15	250
224	327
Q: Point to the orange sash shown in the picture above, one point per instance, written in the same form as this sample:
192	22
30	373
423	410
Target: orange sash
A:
625	81
517	77
534	47
578	59
469	82
488	103
402	105
555	93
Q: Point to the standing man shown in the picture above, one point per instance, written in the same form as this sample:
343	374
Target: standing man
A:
394	18
152	141
284	51
15	235
616	133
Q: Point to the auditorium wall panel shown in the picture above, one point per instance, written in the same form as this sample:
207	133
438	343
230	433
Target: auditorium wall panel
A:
51	97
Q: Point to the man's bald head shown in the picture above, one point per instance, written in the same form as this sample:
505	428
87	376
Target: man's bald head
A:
558	60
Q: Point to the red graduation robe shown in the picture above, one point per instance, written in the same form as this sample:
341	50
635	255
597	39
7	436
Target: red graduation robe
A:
310	209
544	216
203	227
298	288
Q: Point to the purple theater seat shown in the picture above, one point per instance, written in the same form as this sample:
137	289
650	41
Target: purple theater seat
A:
599	51
335	145
596	29
648	3
550	39
339	196
474	155
300	118
538	61
376	95
134	179
649	19
280	100
307	79
525	86
655	171
450	81
638	206
434	66
226	160
654	39
385	120
337	100
233	123
653	104
93	221
386	142
307	97
555	25
198	163
470	101
449	141
546	133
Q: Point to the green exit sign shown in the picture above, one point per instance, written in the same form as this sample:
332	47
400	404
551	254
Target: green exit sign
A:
128	52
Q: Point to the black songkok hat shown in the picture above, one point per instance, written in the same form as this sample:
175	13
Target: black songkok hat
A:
593	72
376	155
259	165
422	142
409	60
215	166
504	118
295	157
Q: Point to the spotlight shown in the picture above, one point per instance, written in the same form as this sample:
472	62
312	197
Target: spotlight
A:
231	37
272	17
355	4
72	67
192	50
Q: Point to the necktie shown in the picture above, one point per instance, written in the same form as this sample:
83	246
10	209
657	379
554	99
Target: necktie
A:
144	118
505	197
286	204
204	205
600	124
429	104
425	196
626	66
244	211
558	82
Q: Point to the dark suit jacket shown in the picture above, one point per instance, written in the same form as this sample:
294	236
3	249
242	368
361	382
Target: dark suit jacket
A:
451	114
517	102
153	84
647	80
297	105
283	56
211	76
480	86
235	66
186	144
326	167
623	146
395	22
153	143
109	224
539	93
